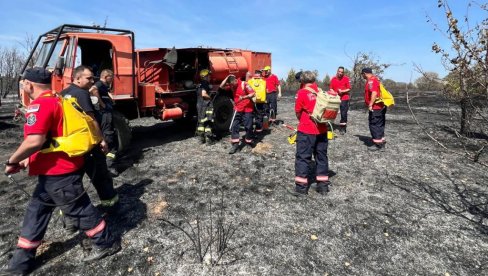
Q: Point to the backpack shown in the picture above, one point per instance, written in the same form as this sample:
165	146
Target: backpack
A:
259	86
326	107
80	133
385	96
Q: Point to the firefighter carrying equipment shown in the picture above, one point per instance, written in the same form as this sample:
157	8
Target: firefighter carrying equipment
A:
259	86
80	133
385	97
326	106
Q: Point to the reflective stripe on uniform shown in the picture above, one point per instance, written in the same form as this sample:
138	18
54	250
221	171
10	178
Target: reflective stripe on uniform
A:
97	229
207	129
209	112
342	124
301	180
204	120
248	141
322	178
378	141
236	140
111	155
27	244
200	128
259	130
110	202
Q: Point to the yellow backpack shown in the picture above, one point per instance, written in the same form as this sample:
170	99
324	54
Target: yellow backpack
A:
385	96
80	134
259	86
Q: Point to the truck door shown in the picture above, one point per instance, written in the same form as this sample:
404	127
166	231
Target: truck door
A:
73	54
56	63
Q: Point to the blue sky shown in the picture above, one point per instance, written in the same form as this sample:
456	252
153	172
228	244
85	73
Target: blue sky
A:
306	34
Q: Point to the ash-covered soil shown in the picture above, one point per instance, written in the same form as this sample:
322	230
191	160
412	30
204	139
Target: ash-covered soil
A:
415	209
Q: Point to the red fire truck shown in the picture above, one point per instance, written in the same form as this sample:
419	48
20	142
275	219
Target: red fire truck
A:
157	82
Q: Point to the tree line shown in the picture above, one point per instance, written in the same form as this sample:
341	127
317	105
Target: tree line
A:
428	81
11	61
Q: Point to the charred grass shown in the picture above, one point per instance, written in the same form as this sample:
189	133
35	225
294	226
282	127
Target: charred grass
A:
415	209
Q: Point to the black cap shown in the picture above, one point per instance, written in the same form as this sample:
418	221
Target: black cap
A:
297	75
38	75
367	70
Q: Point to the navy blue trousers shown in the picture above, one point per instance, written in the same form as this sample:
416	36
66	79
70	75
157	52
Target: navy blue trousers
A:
309	145
97	170
242	118
344	107
272	106
61	190
376	121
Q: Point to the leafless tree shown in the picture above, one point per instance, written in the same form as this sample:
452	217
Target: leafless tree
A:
10	63
362	60
467	61
429	81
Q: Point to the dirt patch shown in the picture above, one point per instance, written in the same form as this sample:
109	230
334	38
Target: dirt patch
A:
414	209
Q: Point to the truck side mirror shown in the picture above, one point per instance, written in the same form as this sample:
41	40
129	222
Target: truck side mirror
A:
58	68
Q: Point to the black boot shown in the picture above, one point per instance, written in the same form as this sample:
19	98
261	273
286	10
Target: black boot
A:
323	187
300	190
377	147
201	138
234	149
98	253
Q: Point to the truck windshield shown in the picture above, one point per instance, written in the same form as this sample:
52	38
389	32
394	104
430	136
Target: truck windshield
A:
42	57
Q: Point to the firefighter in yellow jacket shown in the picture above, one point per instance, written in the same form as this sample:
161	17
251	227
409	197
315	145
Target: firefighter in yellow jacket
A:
258	84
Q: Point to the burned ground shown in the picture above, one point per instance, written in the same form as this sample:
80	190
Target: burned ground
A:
415	209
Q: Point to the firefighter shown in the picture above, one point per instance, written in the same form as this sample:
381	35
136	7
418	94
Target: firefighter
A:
60	179
377	110
101	90
259	86
95	161
273	92
243	110
341	85
205	109
311	140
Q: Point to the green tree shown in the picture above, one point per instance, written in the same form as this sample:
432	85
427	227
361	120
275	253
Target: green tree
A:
290	85
326	81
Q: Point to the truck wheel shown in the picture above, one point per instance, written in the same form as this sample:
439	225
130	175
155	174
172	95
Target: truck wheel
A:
223	112
122	130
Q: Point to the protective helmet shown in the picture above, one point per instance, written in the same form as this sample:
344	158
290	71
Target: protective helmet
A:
204	73
267	68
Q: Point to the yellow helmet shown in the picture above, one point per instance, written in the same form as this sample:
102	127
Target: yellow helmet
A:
204	73
267	68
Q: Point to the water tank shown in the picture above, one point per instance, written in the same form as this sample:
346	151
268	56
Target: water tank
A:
224	63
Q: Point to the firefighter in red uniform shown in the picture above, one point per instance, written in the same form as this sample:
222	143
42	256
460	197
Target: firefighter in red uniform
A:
377	110
340	84
311	140
273	92
243	109
59	179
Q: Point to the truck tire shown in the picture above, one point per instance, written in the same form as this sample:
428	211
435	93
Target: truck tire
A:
223	112
122	130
